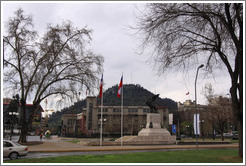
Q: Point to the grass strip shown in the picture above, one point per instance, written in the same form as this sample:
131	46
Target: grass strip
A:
186	156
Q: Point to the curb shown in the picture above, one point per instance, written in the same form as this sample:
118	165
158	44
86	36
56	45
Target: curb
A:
129	149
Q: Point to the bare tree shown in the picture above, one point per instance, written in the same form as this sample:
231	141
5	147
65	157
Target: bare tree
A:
184	34
57	63
221	111
208	92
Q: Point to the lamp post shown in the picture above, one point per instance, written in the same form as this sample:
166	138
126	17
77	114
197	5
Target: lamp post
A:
11	124
187	127
196	105
12	120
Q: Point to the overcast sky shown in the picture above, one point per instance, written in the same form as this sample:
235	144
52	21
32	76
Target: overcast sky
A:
112	39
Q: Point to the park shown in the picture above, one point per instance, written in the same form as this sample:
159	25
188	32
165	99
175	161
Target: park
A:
74	79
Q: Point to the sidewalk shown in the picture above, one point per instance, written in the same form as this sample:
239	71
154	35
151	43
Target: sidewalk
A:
63	146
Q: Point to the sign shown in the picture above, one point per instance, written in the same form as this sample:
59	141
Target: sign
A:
174	129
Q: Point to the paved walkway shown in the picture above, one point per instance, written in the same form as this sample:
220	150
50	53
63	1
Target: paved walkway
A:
63	146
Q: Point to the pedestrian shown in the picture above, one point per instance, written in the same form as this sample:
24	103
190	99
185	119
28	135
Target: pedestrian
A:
47	134
41	136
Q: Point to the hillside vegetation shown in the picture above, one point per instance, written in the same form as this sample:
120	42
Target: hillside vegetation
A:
133	95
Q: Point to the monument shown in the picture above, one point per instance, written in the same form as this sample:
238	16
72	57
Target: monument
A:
153	134
149	103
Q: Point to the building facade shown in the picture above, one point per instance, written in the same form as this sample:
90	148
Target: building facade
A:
88	122
189	105
134	118
185	113
36	121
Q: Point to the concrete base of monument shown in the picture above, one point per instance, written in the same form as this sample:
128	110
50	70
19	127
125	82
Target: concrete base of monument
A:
151	140
153	134
150	137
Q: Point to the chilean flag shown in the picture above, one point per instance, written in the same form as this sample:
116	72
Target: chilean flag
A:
120	87
101	86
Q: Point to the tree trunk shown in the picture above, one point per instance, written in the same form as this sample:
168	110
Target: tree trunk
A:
24	126
222	133
26	123
241	113
240	138
237	107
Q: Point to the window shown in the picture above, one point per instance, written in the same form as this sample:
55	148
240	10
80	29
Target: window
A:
7	144
146	110
132	110
104	110
71	121
164	118
90	116
116	110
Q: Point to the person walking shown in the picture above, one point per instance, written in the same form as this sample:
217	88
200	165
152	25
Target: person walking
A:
41	136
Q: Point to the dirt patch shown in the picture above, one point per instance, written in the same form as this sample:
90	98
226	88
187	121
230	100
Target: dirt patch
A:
32	143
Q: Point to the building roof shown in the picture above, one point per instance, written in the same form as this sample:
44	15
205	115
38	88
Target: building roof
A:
28	106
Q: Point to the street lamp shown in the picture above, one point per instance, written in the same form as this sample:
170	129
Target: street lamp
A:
187	127
196	105
13	121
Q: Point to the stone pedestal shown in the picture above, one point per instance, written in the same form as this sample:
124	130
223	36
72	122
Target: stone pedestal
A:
153	134
153	126
153	121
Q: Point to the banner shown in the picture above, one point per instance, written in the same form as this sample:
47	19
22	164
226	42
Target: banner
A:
170	119
174	129
196	125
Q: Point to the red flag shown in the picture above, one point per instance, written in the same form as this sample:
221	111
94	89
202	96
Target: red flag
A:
187	93
120	87
101	86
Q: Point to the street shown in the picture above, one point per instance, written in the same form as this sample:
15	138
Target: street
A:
31	138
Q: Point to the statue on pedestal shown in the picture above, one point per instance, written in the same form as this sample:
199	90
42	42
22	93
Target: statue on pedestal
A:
149	103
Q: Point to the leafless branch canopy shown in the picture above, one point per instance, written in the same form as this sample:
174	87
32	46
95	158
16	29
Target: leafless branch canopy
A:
57	63
183	34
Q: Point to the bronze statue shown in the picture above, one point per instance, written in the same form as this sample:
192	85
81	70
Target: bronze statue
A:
149	103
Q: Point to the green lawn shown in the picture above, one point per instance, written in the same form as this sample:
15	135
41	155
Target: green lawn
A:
74	141
186	156
209	139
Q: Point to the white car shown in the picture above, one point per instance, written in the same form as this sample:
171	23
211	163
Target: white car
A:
13	150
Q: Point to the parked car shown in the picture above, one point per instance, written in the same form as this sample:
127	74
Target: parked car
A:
13	150
226	135
184	136
235	135
32	133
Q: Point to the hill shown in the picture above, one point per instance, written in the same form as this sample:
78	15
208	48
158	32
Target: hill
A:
134	95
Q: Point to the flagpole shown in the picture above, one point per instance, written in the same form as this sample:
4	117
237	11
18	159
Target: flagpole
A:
101	93
122	114
101	120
